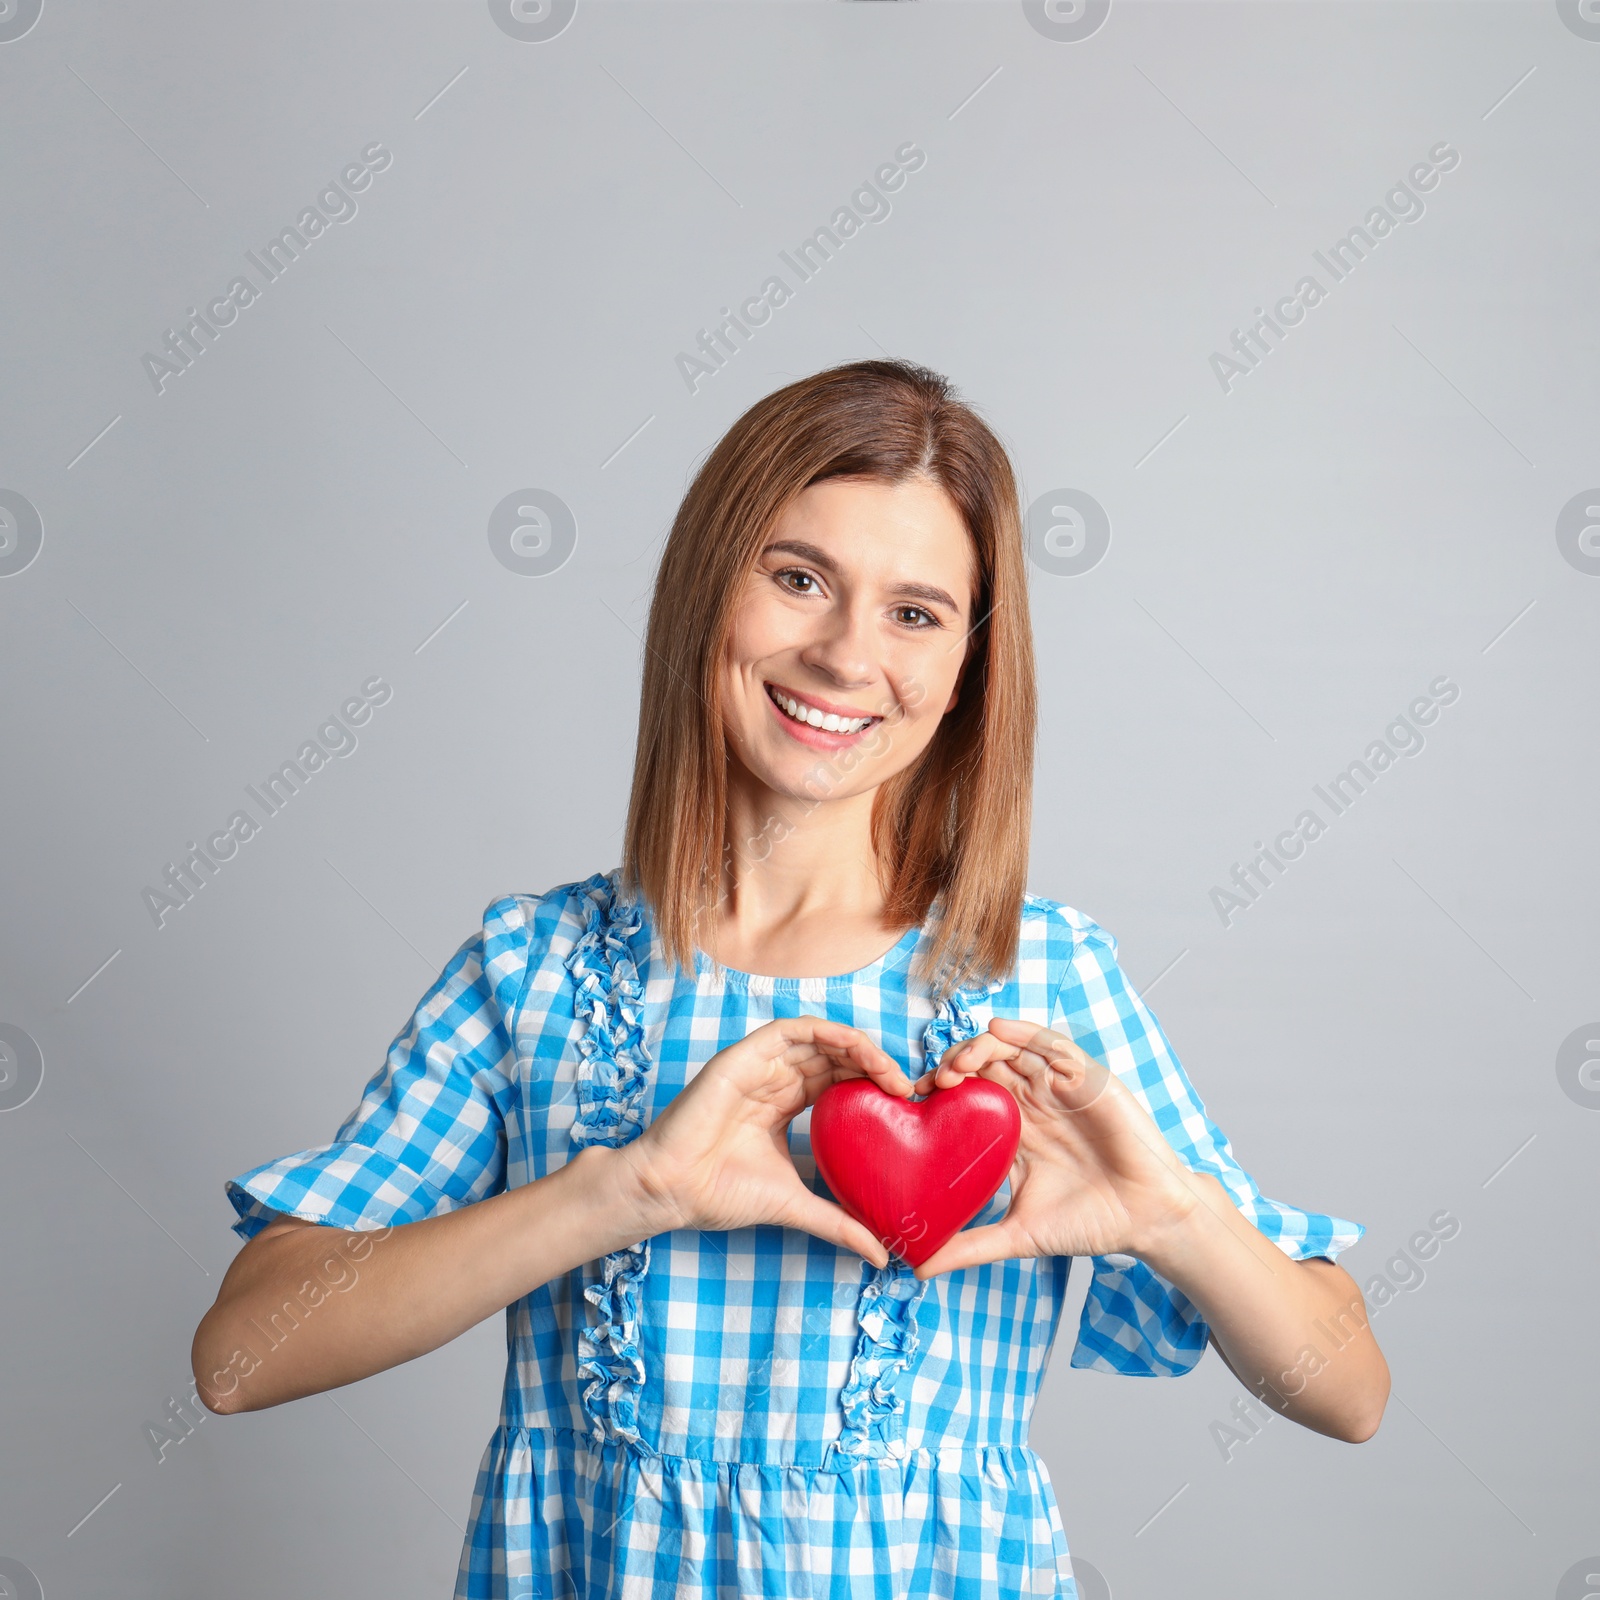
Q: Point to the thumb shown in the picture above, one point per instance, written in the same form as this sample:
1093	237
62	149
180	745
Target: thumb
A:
831	1222
971	1247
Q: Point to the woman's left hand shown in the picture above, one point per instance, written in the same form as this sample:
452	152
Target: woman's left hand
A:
1093	1173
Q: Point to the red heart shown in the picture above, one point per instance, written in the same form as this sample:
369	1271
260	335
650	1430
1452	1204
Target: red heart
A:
915	1171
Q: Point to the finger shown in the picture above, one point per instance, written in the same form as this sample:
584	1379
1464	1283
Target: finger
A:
1074	1076
1073	1091
972	1247
827	1052
1007	1076
859	1059
1080	1084
831	1222
880	1066
1048	1043
1043	1050
851	1047
963	1060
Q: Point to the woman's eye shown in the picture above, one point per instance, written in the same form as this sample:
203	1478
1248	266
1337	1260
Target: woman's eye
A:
798	581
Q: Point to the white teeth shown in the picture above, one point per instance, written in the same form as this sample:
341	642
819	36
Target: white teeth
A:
829	722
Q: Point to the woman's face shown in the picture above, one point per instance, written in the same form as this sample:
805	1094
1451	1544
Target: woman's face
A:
850	638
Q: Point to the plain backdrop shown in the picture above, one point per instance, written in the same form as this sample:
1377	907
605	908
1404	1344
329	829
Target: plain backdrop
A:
1399	1026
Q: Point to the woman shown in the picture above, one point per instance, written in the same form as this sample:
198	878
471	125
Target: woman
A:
719	1383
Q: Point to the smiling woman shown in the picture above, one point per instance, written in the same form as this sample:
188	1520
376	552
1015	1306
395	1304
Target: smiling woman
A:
719	1382
859	558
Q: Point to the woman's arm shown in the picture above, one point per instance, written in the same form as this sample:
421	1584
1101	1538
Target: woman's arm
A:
1095	1176
1294	1333
306	1307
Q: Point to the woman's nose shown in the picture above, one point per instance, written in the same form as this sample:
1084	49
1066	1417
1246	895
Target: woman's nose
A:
842	649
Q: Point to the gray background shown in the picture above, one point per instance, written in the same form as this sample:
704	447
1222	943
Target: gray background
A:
1374	506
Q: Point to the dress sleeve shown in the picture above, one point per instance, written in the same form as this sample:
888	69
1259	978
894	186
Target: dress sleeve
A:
1133	1321
429	1133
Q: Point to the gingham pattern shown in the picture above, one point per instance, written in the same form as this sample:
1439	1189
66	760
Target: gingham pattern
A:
771	1415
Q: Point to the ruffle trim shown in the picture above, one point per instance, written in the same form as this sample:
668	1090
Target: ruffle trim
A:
615	1067
886	1311
613	1074
886	1314
952	1022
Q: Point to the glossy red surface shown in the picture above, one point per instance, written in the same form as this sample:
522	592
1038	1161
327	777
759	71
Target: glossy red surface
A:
914	1171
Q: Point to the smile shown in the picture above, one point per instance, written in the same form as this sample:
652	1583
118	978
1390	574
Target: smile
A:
798	711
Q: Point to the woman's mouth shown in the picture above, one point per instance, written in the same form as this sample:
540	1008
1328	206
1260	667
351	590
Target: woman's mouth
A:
815	726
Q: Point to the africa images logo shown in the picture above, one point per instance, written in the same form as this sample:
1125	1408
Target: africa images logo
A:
1403	738
1403	203
189	341
869	203
334	739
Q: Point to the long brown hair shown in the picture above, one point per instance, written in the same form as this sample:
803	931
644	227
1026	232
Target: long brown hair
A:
951	830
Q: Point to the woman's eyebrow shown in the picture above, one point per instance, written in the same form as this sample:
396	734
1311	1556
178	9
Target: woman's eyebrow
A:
818	558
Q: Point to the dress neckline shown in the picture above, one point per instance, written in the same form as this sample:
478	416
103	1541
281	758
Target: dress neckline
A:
891	960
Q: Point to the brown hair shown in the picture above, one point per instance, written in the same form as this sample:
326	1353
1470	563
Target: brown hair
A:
952	828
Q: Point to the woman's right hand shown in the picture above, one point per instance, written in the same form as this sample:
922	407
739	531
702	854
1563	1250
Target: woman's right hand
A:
718	1156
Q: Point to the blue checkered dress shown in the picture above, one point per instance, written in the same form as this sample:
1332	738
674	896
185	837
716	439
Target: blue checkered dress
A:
754	1412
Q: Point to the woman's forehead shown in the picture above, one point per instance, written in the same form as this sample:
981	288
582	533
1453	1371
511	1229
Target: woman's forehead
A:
891	534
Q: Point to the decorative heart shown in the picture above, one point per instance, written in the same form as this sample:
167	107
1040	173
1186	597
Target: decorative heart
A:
915	1171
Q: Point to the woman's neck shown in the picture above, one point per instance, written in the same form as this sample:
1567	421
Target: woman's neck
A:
801	896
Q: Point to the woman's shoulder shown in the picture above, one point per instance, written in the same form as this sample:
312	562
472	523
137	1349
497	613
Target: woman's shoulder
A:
1063	929
1065	948
554	919
540	943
